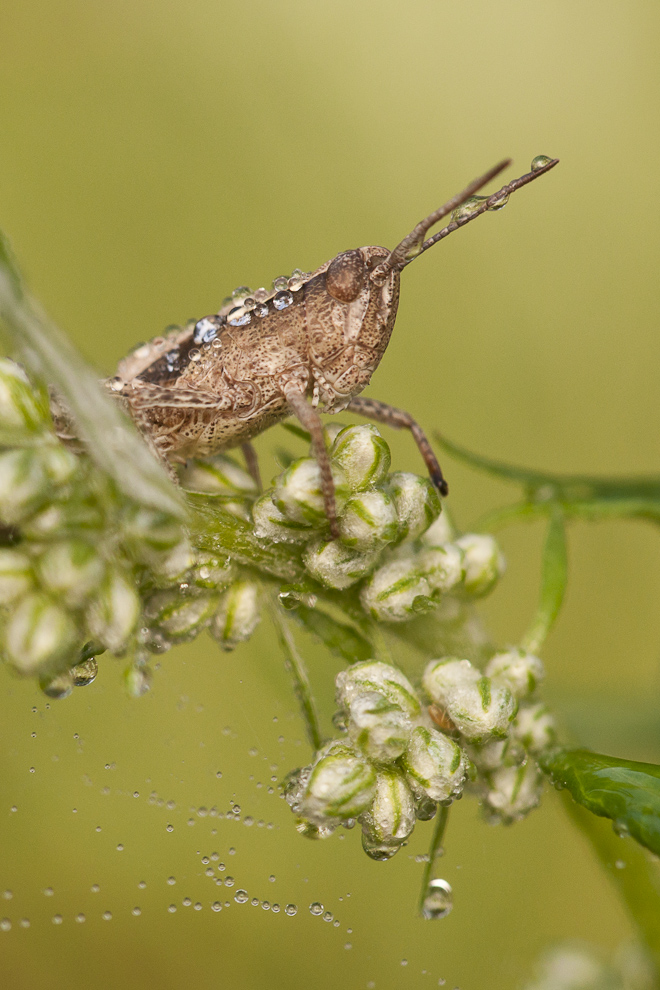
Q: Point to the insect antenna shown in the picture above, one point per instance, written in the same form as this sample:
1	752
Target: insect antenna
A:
414	244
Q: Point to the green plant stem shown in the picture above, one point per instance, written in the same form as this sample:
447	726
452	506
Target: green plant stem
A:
638	883
435	851
554	575
296	667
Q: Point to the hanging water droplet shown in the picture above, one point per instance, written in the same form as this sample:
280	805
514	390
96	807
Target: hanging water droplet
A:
438	900
621	828
281	282
241	292
241	896
540	162
261	294
467	208
59	686
296	281
261	310
265	905
499	203
291	909
240	320
316	908
195	354
380	851
85	673
116	384
282	300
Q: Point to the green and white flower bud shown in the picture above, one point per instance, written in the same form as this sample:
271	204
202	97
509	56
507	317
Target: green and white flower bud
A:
298	493
439	532
331	431
477	706
335	565
180	617
382	678
71	570
172	566
60	686
417	503
514	792
24	414
219	475
521	672
483	563
85	672
114	611
148	532
59	463
38	634
435	763
396	591
496	753
441	566
362	454
535	728
16	575
369	521
23	484
237	615
377	727
341	785
391	817
271	524
212	572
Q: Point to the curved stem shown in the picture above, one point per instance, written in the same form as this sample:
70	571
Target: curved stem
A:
296	667
435	851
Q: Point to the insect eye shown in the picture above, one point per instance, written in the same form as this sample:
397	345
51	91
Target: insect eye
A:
345	276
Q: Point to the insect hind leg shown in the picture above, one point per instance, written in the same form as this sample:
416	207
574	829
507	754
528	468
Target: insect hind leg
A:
312	422
381	412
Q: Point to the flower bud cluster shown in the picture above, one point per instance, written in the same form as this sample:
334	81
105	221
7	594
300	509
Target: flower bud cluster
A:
392	537
393	767
400	759
85	570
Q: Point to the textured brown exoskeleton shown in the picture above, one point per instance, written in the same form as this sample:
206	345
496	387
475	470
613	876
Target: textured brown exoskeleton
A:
313	341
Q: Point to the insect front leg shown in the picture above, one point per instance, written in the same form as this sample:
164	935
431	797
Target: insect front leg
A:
401	420
311	421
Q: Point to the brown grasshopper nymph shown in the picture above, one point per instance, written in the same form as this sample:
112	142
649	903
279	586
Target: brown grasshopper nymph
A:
312	342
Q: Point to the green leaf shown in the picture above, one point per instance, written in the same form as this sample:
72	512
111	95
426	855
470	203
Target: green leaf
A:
597	495
337	636
554	575
112	440
623	790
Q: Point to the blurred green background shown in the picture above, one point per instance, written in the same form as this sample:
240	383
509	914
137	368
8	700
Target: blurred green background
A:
153	155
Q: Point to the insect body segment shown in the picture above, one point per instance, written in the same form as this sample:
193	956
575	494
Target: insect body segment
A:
312	342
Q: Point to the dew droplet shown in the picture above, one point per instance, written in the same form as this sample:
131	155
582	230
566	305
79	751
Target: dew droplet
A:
85	673
499	203
197	906
282	300
24	922
116	384
5	925
240	320
316	908
438	900
107	915
261	295
229	881
249	303
186	902
261	310
59	686
80	918
241	292
328	916
255	902
195	354
216	906
172	908
280	283
241	896
540	162
296	281
57	919
206	330
467	208
275	909
136	911
291	909
265	905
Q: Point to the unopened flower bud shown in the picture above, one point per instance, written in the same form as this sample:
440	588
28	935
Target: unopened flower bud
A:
71	569
331	432
59	463
374	676
377	727
435	763
174	564
439	532
417	503
180	617
298	493
396	591
514	792
114	611
16	576
336	565
483	564
271	524
363	455
391	817
441	566
237	615
369	521
478	707
219	475
150	531
341	785
38	633
23	407
23	484
535	727
521	672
